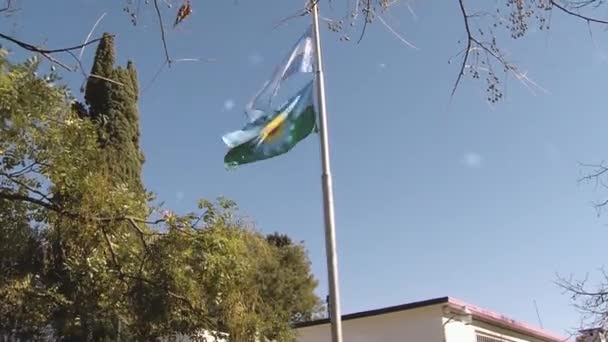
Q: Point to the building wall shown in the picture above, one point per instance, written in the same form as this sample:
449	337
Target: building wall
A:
419	325
428	324
456	331
501	333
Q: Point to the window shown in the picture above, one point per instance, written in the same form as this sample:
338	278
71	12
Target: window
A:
483	337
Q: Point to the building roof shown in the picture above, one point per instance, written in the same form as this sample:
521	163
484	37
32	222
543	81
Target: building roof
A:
479	314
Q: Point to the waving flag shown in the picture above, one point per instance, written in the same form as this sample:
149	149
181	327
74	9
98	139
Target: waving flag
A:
272	132
273	135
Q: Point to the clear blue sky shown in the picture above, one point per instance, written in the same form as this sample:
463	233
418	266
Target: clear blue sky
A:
433	197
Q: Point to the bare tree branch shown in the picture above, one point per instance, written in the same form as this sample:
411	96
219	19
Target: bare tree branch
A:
8	7
56	61
572	13
162	32
467	50
7	195
592	304
599	170
368	12
132	218
599	176
27	187
33	48
476	43
47	53
111	248
26	169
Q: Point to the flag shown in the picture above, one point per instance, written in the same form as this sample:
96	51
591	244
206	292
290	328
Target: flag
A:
272	135
299	60
269	132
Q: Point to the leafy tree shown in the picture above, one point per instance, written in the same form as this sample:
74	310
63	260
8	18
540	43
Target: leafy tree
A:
112	99
41	145
291	281
85	258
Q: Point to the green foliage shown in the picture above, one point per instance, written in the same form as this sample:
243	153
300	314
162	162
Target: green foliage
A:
290	281
44	149
97	94
79	256
111	94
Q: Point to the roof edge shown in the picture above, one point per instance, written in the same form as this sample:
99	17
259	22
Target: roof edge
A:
479	314
375	312
496	319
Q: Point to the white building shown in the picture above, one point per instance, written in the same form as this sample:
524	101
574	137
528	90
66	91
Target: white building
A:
436	320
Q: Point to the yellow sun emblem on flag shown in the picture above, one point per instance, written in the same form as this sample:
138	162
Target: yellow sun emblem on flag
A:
273	129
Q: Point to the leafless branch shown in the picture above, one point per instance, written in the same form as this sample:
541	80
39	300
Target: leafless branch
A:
162	32
8	7
598	175
592	304
198	219
111	249
153	79
86	76
476	43
56	61
368	12
584	3
48	53
128	218
8	195
106	79
25	170
168	61
27	187
33	48
467	50
142	236
578	15
598	171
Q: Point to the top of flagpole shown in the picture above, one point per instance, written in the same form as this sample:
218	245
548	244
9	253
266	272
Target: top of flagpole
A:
328	201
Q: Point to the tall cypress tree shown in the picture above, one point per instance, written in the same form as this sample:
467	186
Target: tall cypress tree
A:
113	106
111	96
97	93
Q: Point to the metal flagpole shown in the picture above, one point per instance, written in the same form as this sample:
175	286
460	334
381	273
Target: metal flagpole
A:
328	197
